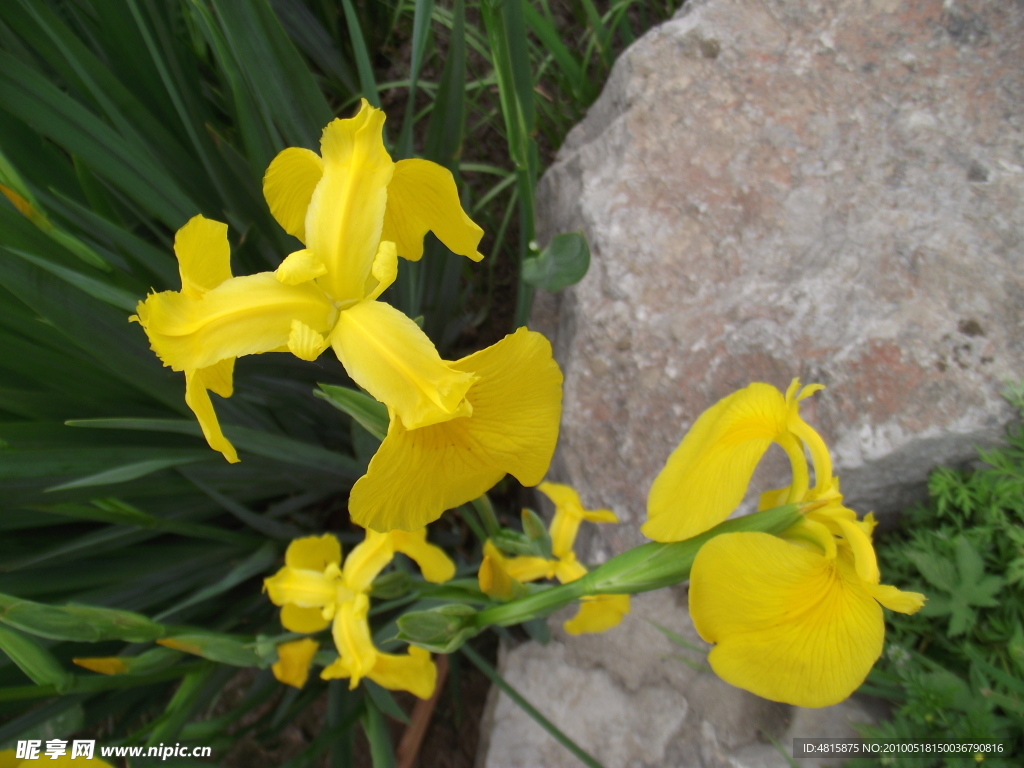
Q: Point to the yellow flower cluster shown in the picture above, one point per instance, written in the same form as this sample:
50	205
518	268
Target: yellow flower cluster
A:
795	618
597	613
315	591
456	428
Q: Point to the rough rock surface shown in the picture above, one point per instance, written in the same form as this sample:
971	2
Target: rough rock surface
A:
775	188
634	700
778	188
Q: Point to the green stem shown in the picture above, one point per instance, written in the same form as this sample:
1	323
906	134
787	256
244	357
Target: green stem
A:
483	506
528	708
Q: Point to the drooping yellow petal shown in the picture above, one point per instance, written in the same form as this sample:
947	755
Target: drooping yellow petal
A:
436	566
300	267
706	477
422	197
305	620
204	255
218	378
568	568
417	474
313	553
346	210
352	638
367	559
241	316
789	625
819	452
863	553
390	357
293	660
522	568
288	187
413	672
598	613
304	588
896	599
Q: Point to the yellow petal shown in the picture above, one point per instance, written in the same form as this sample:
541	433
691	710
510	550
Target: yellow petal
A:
293	660
568	569
352	638
107	665
569	512
241	316
390	357
436	566
413	672
706	477
367	560
9	758
863	553
288	186
896	599
521	568
305	620
300	267
313	553
304	588
773	498
198	399
494	580
417	474
815	533
819	453
304	342
346	211
798	464
422	197
598	614
384	270
204	255
790	625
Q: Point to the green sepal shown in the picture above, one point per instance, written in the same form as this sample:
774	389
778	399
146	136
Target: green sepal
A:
84	623
537	532
440	630
214	646
390	585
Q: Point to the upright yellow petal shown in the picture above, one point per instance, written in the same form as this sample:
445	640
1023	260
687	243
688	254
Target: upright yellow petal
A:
314	553
305	620
569	512
288	187
413	672
706	477
390	357
204	255
789	625
293	661
198	399
598	613
436	566
346	211
418	474
422	197
241	316
367	559
352	638
304	588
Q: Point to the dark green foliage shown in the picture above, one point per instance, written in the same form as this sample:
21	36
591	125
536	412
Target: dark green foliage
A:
955	670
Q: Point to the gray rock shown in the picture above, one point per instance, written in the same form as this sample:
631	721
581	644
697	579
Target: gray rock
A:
779	188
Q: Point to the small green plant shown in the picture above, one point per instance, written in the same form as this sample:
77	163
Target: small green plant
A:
956	669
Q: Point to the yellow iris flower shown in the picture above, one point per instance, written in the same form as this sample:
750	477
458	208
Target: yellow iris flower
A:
356	211
456	427
315	591
795	618
597	613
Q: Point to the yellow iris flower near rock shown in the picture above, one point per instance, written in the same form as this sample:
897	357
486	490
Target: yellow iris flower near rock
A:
456	427
795	618
315	591
597	613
